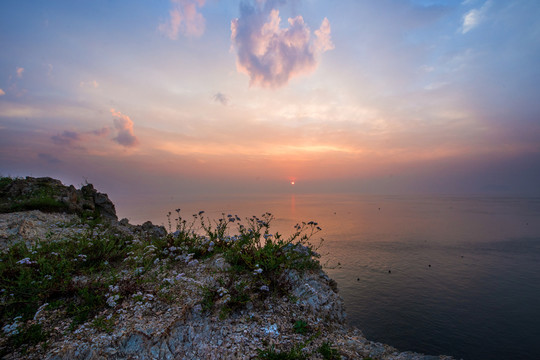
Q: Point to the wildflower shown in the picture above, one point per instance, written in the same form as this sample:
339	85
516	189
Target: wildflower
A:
114	289
264	288
193	262
111	300
222	291
169	281
267	236
12	329
257	270
179	276
40	309
26	261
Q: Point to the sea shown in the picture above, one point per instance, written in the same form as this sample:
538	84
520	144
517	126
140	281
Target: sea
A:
453	275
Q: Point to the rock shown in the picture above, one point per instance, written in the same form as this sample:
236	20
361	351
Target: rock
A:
50	195
163	316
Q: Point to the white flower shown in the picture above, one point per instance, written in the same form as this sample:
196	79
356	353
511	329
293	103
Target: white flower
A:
26	261
264	288
111	300
222	291
40	309
12	329
193	262
179	276
169	280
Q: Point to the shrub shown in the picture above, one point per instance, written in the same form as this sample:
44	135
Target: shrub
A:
328	352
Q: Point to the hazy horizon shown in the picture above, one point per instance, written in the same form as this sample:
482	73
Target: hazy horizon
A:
216	97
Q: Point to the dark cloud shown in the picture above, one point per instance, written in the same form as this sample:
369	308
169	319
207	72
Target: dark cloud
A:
66	138
48	158
271	55
221	98
101	132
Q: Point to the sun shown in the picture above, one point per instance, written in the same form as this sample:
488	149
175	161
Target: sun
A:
292	182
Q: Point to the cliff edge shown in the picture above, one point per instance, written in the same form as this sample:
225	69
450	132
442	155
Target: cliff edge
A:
76	283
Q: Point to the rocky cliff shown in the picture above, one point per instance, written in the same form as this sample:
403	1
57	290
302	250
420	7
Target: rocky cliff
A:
50	195
75	287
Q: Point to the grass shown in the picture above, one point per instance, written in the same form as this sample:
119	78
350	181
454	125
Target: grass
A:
300	327
272	354
328	352
98	269
42	199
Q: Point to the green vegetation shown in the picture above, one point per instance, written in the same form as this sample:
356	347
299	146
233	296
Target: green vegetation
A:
42	199
301	327
328	352
96	270
5	181
272	354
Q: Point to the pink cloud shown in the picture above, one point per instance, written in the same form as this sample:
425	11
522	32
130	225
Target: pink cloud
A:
67	138
2	92
184	18
124	128
20	72
271	55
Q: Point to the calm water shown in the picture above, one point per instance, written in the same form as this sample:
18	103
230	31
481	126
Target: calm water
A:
438	275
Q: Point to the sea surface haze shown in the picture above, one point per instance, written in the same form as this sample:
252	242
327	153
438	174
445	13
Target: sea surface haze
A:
433	274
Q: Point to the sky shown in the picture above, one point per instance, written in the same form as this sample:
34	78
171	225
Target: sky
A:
165	97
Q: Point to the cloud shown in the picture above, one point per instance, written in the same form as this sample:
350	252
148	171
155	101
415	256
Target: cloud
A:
474	17
92	83
271	55
49	158
124	128
66	138
101	132
221	98
184	18
2	92
69	138
20	72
